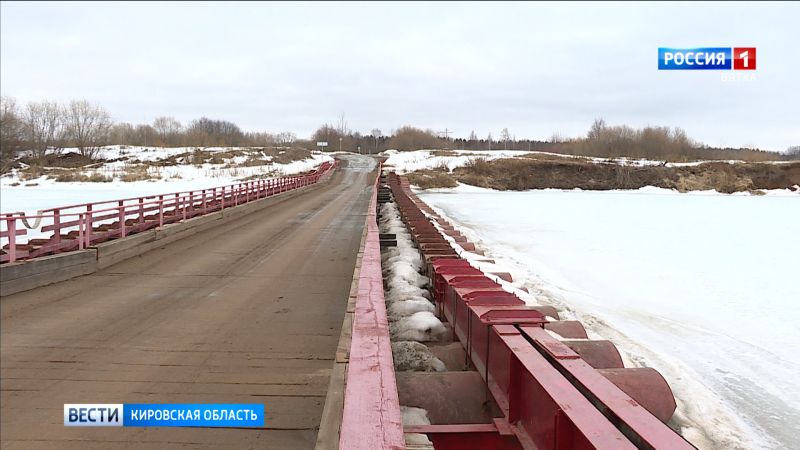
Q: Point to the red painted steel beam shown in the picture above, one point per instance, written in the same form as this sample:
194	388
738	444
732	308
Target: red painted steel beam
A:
371	418
467	436
639	425
542	406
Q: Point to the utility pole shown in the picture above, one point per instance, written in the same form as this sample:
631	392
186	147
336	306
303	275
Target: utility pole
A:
446	134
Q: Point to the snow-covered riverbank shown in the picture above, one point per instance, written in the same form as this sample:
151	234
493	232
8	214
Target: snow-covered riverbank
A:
701	286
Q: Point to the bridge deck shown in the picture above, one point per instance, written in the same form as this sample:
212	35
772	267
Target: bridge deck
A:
246	313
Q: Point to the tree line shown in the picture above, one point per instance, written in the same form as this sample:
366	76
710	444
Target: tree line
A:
45	128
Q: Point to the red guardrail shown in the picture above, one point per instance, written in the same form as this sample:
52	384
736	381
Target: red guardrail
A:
551	393
371	417
80	226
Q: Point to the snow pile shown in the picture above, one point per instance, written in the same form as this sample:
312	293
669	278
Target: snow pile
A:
404	273
402	308
422	326
415	416
404	162
409	309
409	355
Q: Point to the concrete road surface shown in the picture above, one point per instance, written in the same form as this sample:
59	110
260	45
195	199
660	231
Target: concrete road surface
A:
245	313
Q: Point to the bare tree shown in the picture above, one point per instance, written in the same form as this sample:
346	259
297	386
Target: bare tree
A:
342	125
43	128
286	138
121	134
168	129
10	132
505	136
597	129
376	133
87	126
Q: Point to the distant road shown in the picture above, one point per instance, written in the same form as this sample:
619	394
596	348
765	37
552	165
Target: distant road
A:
246	313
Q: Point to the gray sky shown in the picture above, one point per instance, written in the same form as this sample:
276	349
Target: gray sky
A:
537	69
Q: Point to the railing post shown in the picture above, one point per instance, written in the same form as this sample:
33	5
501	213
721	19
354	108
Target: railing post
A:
11	226
205	203
222	199
161	211
121	208
141	209
89	224
56	227
191	204
80	231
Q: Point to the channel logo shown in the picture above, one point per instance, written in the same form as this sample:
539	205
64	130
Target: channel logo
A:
93	415
707	58
163	415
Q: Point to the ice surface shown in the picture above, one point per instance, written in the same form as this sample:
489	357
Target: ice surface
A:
702	286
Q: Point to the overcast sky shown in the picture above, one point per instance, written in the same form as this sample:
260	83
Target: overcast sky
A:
538	69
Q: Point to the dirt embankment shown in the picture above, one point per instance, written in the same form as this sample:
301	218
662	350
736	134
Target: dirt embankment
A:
565	173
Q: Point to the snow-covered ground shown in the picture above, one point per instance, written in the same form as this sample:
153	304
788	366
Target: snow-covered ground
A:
404	162
702	286
40	193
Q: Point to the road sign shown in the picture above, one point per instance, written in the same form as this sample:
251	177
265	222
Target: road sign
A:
322	144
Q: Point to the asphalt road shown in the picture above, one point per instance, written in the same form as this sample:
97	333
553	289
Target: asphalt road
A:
245	313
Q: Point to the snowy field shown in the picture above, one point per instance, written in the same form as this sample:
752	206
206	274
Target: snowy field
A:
702	286
36	194
404	162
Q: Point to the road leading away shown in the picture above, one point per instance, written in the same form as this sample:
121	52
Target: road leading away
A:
246	313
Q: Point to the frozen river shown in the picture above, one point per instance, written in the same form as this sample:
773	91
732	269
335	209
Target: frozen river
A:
704	287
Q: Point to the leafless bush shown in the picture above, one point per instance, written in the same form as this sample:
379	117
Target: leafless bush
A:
43	128
87	127
72	175
168	130
410	138
11	133
136	173
429	179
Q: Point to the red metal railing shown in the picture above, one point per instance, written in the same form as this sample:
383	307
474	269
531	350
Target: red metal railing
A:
75	227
